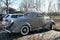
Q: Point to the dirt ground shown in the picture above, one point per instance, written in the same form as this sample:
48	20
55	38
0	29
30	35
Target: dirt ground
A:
35	35
57	24
46	35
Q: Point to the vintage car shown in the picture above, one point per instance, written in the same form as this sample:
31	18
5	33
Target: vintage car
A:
29	22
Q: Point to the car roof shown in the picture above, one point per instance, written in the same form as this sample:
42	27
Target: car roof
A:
15	14
34	12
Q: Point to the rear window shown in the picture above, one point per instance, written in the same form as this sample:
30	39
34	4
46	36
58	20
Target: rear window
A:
20	15
39	15
14	16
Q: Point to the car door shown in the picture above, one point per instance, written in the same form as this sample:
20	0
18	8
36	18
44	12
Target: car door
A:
32	20
39	20
35	20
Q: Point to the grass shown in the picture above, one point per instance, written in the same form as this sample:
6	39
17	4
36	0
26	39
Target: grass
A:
57	22
55	17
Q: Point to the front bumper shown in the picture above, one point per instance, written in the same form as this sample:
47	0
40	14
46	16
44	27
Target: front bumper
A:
53	22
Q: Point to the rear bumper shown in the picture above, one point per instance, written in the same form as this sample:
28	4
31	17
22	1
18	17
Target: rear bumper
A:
5	24
7	28
6	31
8	25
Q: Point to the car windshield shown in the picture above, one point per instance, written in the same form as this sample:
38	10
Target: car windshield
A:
26	14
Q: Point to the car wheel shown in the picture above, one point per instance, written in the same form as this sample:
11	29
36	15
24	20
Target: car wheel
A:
25	30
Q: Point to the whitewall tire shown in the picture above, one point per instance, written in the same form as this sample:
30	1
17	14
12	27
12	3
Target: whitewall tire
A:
25	30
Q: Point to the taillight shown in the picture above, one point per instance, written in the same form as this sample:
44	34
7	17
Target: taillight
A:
6	20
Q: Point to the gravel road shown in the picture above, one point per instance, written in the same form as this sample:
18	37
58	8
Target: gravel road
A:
46	35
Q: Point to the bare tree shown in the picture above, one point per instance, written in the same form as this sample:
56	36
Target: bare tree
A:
26	4
1	5
49	6
7	6
37	5
7	3
51	9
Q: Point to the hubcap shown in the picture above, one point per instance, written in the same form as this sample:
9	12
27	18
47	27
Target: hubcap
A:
24	30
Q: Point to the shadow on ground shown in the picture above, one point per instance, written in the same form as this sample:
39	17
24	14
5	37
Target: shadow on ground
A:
15	36
57	38
56	30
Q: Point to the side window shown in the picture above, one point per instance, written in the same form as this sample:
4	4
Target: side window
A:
14	16
26	14
39	15
20	15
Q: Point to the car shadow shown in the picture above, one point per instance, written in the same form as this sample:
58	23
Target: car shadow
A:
57	38
38	31
11	36
56	29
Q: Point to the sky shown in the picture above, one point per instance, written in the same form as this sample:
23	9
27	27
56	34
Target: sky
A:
43	8
16	4
44	2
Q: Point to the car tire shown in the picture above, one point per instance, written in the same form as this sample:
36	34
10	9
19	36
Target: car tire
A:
24	30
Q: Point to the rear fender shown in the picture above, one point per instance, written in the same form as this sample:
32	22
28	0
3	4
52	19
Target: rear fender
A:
17	29
27	24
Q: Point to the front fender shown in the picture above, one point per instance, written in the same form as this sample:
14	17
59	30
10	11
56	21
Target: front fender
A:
53	22
47	25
